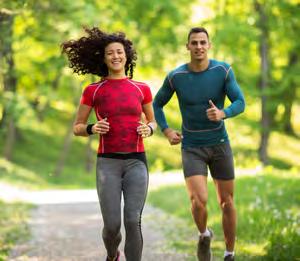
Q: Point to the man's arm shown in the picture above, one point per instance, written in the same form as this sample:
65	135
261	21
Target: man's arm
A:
161	99
235	95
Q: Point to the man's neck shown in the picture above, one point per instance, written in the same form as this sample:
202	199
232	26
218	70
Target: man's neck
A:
198	66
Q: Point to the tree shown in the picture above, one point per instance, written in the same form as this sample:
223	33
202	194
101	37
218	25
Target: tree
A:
264	81
287	96
8	76
265	57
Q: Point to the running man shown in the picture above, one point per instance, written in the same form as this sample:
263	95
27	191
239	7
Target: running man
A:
201	87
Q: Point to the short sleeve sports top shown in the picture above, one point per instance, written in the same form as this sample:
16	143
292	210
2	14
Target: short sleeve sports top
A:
120	101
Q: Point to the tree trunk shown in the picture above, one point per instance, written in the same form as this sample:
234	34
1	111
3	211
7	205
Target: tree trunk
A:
67	142
41	109
65	150
289	97
9	78
10	140
264	83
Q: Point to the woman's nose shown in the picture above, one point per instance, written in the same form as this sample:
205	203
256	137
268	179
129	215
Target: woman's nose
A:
115	55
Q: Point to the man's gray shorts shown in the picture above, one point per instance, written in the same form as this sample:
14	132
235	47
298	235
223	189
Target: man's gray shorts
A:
218	158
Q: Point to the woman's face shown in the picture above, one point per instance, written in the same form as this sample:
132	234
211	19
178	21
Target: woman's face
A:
115	57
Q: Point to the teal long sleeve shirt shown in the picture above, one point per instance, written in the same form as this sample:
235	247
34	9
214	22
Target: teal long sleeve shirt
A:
194	90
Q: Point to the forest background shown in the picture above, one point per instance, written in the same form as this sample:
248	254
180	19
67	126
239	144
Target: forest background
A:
39	94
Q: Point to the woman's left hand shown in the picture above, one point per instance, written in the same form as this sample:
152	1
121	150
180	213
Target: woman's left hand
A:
144	130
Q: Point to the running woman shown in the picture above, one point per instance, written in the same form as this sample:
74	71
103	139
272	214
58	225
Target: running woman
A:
119	103
201	87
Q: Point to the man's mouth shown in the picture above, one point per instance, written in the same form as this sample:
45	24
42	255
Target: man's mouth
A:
199	52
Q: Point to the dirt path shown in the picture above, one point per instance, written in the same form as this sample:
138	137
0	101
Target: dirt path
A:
66	225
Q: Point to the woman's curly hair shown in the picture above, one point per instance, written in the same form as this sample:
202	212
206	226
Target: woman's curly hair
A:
86	55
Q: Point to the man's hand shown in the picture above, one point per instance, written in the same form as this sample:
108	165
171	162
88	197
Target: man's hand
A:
173	136
213	113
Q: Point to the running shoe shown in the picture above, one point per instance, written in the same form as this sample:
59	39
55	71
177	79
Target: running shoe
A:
203	251
117	258
229	258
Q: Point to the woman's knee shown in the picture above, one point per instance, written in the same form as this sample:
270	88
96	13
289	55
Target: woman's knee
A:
111	229
132	221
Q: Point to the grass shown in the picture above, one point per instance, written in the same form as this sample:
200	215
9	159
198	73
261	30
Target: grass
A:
13	217
37	153
268	216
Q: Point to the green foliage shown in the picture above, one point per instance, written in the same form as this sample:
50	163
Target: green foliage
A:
17	107
268	216
281	23
44	102
283	245
37	154
159	35
12	226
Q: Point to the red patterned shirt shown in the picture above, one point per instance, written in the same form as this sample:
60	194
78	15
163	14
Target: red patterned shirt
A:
120	101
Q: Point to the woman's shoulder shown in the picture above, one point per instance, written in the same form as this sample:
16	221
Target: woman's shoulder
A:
139	83
94	85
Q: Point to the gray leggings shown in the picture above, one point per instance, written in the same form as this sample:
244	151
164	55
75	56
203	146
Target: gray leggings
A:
115	176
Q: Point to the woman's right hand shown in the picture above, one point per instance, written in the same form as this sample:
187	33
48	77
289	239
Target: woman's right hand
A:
101	127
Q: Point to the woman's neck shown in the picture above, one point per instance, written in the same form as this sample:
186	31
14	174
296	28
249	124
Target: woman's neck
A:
116	75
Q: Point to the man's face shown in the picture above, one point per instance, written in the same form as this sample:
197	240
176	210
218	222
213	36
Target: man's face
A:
198	45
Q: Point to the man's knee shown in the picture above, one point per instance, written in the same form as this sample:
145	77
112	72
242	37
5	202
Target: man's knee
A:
227	205
198	203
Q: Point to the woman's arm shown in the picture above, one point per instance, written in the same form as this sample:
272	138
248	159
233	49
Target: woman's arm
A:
80	124
146	130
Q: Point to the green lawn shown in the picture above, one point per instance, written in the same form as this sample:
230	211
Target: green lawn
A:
13	217
268	216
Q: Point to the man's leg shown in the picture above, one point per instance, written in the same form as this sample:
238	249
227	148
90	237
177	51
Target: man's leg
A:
195	171
197	190
225	189
222	170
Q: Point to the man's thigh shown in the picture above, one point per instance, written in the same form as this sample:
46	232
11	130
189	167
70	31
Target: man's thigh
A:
221	163
194	162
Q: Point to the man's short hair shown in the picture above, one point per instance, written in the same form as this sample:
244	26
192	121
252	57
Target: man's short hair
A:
197	30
